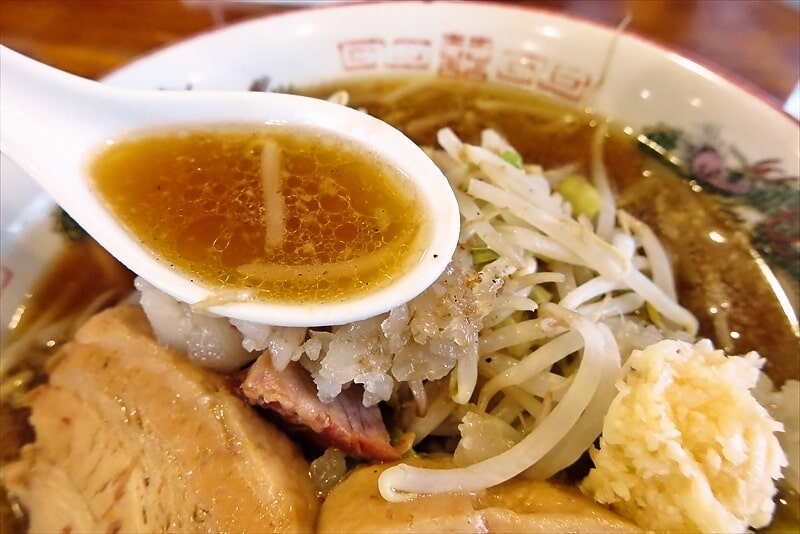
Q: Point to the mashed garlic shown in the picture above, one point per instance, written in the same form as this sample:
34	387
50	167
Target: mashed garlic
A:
685	445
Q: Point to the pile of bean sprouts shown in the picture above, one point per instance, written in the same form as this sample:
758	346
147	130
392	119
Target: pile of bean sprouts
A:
578	293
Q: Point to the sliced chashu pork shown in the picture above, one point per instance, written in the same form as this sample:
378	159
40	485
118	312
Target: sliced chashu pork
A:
344	423
356	505
133	438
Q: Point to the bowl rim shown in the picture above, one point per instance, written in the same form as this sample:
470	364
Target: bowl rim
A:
734	80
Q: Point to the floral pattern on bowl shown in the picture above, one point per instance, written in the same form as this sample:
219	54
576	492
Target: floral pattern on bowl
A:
765	199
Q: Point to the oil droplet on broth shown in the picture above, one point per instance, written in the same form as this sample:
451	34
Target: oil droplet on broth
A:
292	214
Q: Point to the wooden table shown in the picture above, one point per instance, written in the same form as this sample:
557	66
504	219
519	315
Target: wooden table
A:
756	40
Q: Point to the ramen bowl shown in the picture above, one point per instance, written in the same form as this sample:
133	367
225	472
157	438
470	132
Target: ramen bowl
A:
721	139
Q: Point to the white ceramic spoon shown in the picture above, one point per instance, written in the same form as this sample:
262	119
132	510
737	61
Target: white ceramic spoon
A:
53	123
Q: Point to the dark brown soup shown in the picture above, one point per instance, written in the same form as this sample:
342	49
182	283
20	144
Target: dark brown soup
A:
292	214
718	279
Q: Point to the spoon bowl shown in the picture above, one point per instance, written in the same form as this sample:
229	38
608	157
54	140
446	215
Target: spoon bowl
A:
54	124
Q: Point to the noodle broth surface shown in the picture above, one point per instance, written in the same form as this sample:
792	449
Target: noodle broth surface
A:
717	279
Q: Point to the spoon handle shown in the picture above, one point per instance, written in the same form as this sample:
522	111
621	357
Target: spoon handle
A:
45	117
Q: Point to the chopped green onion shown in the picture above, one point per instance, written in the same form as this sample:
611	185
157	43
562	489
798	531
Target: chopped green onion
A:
482	256
540	295
513	158
582	195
